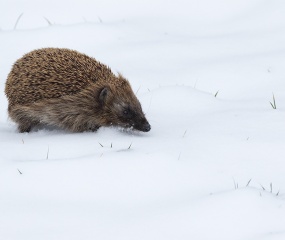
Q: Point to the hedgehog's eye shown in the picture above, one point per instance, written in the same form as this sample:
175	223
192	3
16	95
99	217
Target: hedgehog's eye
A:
126	112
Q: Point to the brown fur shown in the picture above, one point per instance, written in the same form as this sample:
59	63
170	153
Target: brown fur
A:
67	89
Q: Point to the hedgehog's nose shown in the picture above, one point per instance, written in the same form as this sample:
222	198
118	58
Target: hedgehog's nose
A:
146	127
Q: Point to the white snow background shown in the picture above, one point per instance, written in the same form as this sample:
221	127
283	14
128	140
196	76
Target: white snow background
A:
212	167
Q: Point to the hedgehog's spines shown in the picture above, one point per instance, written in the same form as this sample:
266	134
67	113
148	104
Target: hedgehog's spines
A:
62	72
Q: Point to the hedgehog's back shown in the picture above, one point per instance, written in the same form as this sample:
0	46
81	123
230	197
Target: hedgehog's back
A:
52	73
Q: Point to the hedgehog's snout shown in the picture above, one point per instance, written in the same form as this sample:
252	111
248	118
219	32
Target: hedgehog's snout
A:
143	126
146	127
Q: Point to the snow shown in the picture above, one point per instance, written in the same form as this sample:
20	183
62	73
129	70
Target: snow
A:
200	172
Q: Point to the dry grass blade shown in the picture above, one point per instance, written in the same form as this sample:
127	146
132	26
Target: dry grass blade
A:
48	21
273	105
235	184
130	146
262	187
47	152
138	89
18	19
179	156
248	182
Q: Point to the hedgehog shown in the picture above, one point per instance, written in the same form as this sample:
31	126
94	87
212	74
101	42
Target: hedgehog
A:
69	90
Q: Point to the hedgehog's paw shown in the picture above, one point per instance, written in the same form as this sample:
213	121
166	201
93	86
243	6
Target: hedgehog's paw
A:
26	126
94	128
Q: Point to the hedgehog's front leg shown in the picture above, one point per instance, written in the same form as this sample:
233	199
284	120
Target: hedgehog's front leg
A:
21	116
24	127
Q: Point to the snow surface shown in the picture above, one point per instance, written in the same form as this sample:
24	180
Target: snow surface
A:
210	168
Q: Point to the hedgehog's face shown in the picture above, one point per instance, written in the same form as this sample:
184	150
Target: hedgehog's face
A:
124	111
130	115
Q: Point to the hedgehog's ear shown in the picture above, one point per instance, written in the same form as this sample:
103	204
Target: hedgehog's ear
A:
103	95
